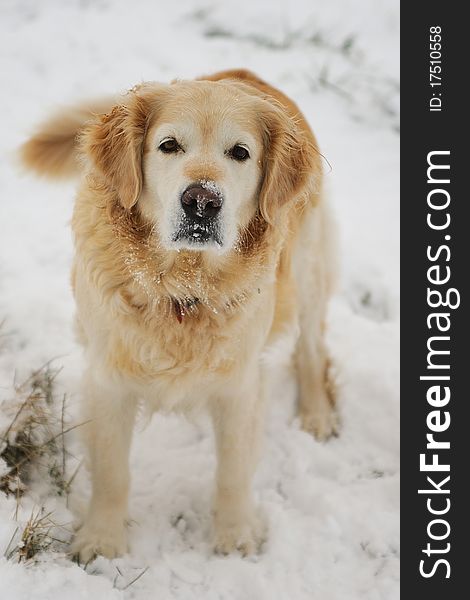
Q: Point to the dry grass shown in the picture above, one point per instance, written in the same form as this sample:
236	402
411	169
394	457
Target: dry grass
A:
38	535
33	448
35	437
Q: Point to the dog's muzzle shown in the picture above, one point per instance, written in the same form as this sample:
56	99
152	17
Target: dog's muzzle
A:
201	204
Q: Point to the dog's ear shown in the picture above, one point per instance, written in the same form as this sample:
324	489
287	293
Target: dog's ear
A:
114	144
290	162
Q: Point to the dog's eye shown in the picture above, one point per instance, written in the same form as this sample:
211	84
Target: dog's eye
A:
169	146
239	153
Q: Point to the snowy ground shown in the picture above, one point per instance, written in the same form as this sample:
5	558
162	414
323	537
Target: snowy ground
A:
332	508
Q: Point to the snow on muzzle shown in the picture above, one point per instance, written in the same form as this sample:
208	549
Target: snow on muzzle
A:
200	220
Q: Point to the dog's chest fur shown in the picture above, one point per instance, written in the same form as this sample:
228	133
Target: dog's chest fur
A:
169	338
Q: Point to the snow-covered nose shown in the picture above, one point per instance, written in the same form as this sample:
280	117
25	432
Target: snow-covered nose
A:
201	202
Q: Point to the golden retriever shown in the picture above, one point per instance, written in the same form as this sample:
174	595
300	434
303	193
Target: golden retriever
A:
201	237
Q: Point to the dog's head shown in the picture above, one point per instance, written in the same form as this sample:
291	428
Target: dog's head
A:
200	159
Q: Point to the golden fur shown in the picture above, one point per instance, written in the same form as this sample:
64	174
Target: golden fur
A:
183	328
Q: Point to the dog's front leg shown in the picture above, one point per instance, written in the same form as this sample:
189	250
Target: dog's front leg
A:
109	412
238	423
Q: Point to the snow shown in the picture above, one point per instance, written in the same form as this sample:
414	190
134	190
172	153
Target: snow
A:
332	508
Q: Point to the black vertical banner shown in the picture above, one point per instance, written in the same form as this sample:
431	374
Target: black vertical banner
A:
435	267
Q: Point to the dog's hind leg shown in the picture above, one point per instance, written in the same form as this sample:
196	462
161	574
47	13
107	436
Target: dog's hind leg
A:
316	403
315	272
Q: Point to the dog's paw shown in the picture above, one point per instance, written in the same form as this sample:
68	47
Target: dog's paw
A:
92	539
245	537
322	424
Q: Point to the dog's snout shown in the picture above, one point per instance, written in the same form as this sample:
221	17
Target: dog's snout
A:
200	201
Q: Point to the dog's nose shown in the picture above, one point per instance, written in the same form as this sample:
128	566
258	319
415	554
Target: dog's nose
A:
200	201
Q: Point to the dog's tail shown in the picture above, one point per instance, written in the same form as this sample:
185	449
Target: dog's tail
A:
53	150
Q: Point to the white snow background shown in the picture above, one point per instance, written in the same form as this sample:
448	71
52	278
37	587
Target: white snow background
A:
332	508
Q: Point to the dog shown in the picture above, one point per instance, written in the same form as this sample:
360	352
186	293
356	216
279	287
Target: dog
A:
202	236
